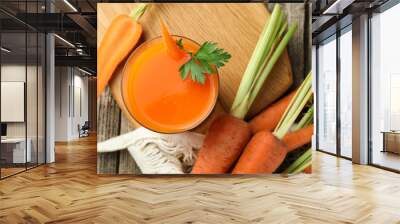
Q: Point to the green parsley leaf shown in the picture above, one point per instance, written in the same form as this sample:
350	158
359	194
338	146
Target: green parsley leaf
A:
212	55
203	62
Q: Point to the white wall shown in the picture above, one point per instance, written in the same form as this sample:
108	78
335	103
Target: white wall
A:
62	81
80	84
70	83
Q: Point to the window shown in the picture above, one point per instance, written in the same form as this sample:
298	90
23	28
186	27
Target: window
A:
334	106
346	92
22	88
327	96
385	89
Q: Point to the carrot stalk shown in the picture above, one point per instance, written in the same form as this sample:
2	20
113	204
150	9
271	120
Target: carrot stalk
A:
303	166
301	163
296	101
119	39
306	119
138	11
298	138
295	107
270	117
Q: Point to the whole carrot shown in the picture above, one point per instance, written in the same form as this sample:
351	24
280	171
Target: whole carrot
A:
269	118
119	39
222	146
266	151
263	154
296	139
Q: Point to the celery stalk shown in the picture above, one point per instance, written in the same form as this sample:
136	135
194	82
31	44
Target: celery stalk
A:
259	54
274	58
282	30
271	44
277	40
276	50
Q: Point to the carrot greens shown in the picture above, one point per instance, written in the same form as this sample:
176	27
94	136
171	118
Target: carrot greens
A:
307	119
304	161
303	95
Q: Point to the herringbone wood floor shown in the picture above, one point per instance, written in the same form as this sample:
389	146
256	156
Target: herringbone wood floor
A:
69	191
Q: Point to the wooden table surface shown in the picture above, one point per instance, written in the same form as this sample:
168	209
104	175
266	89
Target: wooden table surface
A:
235	27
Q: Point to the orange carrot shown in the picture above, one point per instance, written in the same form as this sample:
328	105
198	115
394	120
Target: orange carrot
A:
119	39
222	146
263	154
308	170
172	48
269	118
296	139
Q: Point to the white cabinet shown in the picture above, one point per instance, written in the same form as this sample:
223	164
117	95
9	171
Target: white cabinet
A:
16	149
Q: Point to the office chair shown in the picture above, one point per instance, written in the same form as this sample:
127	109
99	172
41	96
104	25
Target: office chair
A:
84	130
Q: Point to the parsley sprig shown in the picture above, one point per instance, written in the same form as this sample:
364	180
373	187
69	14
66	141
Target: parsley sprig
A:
203	62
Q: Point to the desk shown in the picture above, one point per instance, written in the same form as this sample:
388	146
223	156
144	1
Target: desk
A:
13	150
391	141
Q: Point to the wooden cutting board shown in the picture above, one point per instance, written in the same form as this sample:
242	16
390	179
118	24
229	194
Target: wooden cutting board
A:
235	27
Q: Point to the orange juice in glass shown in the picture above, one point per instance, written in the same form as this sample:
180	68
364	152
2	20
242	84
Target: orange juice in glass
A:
155	94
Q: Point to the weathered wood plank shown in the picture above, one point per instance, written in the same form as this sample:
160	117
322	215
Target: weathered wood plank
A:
108	125
127	164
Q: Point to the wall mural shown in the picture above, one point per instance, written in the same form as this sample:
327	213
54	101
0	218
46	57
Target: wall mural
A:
201	88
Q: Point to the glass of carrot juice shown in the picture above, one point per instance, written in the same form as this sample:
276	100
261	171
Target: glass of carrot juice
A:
157	97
